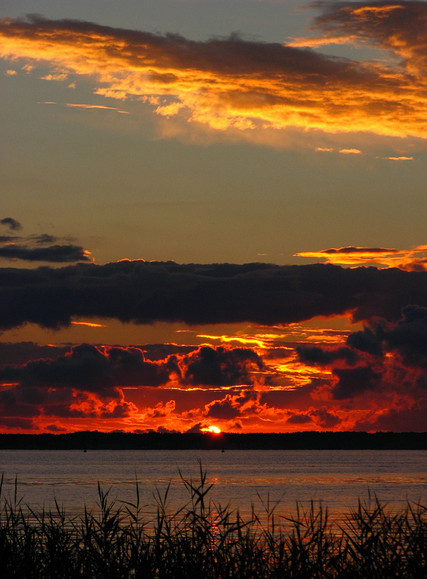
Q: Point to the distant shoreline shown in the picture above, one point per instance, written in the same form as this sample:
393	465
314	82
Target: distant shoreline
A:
93	440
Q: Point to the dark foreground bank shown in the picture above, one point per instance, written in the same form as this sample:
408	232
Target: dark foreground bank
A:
223	441
202	539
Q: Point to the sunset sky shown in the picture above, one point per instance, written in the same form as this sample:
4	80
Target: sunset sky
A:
213	213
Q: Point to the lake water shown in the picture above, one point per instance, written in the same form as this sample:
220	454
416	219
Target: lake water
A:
337	478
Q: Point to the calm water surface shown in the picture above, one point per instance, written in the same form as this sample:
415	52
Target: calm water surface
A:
336	478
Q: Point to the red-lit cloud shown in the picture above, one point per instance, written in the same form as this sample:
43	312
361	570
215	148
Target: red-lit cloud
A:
385	377
374	378
98	383
246	88
221	366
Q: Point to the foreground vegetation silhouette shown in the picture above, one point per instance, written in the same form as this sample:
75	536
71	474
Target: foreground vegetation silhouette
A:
204	539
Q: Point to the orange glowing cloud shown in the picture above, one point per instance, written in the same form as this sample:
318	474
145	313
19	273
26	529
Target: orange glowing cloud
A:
232	85
350	151
247	341
377	11
400	158
414	259
88	324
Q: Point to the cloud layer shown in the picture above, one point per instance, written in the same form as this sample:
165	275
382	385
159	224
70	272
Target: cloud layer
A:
144	292
245	86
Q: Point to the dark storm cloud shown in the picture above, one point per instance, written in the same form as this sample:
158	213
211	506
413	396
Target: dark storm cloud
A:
299	419
21	423
387	369
233	406
83	382
223	410
397	420
52	254
366	341
322	356
354	381
407	337
16	353
32	401
55	428
26	402
88	368
161	351
145	292
11	223
324	418
220	366
321	418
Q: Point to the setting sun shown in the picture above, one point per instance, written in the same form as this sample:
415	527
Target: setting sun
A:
213	429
